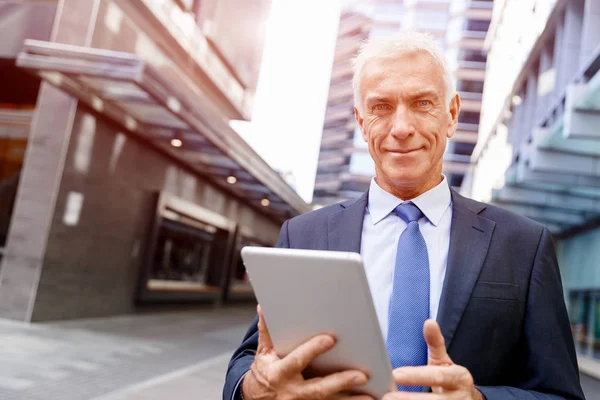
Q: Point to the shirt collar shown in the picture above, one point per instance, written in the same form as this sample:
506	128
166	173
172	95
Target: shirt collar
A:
432	203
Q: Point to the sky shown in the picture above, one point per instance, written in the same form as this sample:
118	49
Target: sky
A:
292	89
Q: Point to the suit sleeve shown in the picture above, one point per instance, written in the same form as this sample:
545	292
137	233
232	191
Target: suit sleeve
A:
550	368
243	357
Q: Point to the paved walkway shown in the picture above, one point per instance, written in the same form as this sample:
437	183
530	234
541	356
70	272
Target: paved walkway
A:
161	356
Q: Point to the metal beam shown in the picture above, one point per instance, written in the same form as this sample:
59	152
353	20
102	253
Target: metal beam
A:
546	214
564	202
541	160
554	139
524	174
553	188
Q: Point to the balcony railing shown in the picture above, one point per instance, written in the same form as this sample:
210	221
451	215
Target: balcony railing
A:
470	96
471	65
474	34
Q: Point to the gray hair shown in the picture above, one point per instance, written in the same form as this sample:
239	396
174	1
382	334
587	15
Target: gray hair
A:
389	47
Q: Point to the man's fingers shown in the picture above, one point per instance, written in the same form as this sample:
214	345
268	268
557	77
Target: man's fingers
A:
296	361
265	344
435	343
332	384
447	377
413	396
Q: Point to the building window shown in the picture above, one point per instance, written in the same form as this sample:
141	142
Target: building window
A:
183	252
470	86
465	149
187	254
473	55
469	117
456	180
584	312
478	25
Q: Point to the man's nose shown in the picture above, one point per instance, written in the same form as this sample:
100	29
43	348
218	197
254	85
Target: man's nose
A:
402	125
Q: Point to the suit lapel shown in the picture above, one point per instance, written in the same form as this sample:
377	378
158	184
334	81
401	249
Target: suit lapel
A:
470	236
345	226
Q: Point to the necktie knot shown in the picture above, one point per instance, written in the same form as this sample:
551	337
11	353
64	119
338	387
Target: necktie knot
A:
408	212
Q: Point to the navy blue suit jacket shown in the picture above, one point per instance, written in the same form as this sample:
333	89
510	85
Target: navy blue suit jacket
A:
502	311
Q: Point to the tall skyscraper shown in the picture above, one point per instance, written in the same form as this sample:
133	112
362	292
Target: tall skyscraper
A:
465	38
345	167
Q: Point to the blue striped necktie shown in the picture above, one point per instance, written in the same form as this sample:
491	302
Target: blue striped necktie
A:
409	302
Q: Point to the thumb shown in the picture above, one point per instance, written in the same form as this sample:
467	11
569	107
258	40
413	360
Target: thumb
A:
265	343
435	343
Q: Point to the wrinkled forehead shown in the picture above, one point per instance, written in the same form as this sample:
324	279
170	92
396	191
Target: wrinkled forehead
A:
415	70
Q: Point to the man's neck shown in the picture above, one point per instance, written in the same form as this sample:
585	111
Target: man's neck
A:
410	192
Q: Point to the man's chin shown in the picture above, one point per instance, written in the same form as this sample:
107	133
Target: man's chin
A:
405	177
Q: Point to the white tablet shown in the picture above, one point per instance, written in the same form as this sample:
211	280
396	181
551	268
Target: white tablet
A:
306	292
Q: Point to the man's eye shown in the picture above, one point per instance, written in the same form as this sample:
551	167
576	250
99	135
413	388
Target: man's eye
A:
423	103
380	107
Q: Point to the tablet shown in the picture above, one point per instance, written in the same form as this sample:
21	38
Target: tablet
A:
307	292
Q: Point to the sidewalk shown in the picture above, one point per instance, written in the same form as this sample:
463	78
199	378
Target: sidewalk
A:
161	356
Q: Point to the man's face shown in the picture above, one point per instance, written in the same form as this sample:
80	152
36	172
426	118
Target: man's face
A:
405	118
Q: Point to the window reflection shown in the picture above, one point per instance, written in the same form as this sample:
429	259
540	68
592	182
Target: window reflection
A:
182	252
585	322
187	257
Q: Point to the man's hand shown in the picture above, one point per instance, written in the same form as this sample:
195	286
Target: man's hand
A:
271	377
446	379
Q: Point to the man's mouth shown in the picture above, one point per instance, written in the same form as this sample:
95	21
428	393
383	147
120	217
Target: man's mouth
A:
403	151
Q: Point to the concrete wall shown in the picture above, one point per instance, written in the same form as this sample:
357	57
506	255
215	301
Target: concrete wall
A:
94	256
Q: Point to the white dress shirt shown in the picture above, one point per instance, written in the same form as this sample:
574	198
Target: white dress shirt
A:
382	229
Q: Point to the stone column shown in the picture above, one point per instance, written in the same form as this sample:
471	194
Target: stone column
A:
556	60
530	103
516	124
569	55
590	37
544	87
42	172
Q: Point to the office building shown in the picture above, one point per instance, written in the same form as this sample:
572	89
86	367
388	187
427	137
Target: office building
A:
465	36
337	176
122	183
539	144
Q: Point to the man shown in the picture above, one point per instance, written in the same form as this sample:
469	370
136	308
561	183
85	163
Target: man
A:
468	295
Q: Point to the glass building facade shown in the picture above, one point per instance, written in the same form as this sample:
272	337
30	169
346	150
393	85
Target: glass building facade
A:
540	144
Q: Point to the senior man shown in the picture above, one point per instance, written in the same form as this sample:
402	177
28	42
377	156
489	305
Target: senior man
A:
468	295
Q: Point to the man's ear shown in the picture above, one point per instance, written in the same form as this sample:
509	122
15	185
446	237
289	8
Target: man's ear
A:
454	111
359	121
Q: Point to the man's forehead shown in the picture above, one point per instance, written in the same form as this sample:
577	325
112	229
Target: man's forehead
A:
411	71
